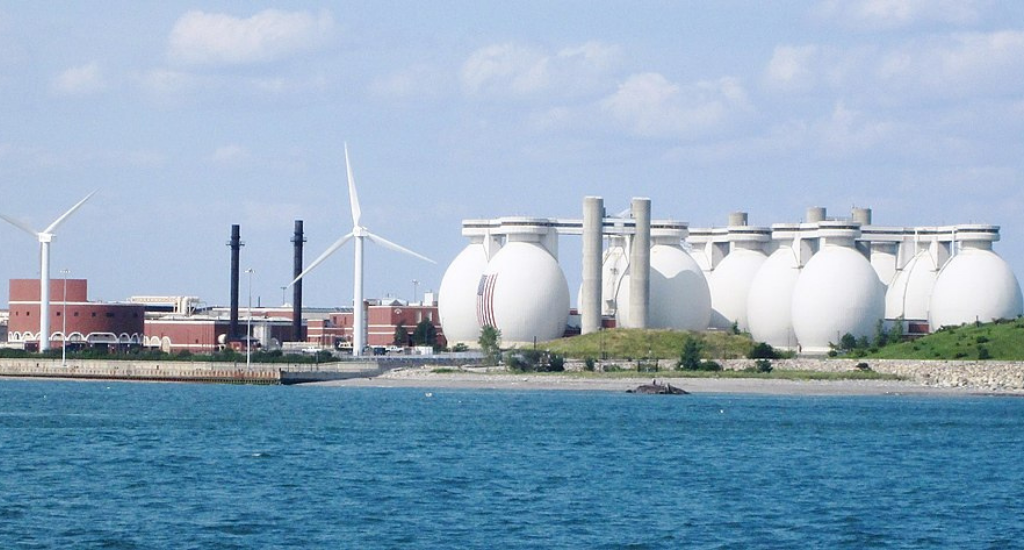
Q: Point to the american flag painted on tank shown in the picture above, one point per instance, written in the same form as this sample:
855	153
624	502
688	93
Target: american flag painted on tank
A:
485	300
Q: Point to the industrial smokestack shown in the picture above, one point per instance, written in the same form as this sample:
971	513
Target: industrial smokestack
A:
640	265
236	246
298	238
593	222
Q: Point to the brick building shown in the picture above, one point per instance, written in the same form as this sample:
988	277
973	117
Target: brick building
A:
87	324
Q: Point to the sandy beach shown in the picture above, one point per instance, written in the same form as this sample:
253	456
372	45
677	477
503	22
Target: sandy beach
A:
425	378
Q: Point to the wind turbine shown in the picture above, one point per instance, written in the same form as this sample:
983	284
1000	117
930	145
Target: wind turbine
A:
45	238
359	233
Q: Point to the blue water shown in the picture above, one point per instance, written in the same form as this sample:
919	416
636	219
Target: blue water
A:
109	465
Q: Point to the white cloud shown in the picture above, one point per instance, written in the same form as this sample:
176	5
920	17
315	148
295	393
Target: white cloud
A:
200	38
893	14
518	70
943	66
650	105
83	80
956	65
230	155
415	81
847	132
792	68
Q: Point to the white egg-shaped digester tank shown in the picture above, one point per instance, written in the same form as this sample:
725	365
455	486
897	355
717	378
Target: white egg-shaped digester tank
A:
975	284
456	300
614	281
730	280
910	293
680	297
523	292
838	291
770	300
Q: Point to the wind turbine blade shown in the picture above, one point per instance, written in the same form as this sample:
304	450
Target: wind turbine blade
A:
388	244
20	225
53	226
353	198
330	250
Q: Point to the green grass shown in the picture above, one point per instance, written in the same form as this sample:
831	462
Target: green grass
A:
621	343
1002	340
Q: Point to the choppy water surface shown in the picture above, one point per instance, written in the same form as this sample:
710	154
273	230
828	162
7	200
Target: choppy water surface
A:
98	465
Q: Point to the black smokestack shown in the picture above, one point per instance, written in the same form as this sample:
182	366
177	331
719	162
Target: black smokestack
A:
236	246
298	239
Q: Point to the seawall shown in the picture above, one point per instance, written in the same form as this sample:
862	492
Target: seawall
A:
211	372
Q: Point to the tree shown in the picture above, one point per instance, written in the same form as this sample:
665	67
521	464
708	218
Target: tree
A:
690	357
490	343
425	334
763	350
401	335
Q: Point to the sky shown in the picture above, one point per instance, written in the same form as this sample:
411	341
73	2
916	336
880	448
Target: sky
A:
187	119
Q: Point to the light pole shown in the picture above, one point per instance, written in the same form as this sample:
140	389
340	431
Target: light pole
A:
284	301
64	320
248	325
415	291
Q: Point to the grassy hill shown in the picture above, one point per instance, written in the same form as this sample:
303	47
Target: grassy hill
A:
624	343
1003	340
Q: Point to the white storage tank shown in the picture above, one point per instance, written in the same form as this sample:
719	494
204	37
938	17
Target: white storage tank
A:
456	301
770	302
523	293
910	293
730	280
975	284
838	292
680	297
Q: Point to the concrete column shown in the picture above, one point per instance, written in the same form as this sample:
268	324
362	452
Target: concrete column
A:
590	306
816	214
862	215
640	265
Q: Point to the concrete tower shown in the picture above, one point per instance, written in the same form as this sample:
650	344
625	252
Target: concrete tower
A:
590	304
640	265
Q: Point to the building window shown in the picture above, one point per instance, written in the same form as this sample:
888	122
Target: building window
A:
94	314
58	314
76	314
110	314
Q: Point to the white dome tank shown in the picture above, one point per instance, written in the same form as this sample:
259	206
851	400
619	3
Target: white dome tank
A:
838	292
976	284
770	301
910	293
680	297
730	284
456	299
524	294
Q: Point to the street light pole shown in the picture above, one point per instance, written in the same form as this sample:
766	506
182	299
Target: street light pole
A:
415	291
248	325
64	319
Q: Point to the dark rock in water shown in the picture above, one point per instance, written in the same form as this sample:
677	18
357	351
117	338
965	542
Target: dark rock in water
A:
655	388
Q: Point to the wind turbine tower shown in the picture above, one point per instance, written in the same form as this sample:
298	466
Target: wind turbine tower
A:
359	233
45	238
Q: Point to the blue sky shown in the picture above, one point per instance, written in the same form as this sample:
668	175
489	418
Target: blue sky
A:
190	119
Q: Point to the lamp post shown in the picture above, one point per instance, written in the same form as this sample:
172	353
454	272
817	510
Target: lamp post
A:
248	325
415	291
64	320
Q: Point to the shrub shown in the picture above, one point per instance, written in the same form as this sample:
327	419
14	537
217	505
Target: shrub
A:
588	364
460	347
763	365
864	367
762	350
556	363
983	353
